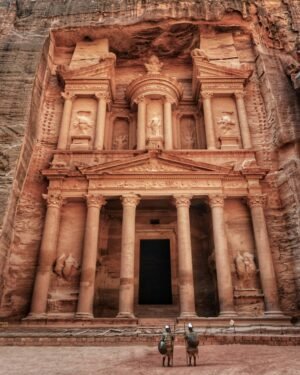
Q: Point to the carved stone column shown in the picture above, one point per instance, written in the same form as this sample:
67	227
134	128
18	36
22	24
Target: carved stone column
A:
224	279
264	255
101	119
245	133
126	296
141	124
185	263
168	130
89	257
47	256
65	121
208	121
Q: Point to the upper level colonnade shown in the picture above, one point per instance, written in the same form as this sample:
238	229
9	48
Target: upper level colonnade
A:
157	118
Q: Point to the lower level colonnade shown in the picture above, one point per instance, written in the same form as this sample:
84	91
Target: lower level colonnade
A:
186	290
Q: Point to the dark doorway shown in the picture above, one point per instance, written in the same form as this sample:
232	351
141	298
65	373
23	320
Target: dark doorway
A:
155	273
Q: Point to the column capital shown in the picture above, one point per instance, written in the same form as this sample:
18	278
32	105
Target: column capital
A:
183	200
240	94
95	200
258	200
54	199
216	200
102	95
140	99
207	94
130	200
68	95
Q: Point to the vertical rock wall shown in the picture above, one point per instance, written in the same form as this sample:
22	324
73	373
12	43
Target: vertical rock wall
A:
26	140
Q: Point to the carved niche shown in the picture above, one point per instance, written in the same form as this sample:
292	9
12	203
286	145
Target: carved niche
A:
154	124
188	133
226	122
82	125
120	134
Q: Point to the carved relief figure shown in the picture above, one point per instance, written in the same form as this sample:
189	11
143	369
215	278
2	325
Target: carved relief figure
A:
246	269
83	122
154	126
292	69
120	139
188	134
226	123
120	142
154	65
66	266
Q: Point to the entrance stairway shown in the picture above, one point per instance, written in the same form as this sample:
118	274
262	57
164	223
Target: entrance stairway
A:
147	331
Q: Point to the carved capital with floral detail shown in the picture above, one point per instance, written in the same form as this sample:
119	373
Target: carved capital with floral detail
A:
239	94
183	200
258	200
130	200
95	200
216	200
68	95
102	95
54	199
140	99
206	94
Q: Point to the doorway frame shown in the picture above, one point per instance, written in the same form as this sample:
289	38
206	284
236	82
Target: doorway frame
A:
157	234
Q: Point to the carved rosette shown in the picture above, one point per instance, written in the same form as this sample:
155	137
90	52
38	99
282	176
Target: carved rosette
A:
130	200
257	200
216	200
54	200
182	200
94	200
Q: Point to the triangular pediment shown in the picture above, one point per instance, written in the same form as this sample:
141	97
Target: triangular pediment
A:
101	70
159	164
209	70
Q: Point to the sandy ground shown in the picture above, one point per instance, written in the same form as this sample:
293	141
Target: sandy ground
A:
133	360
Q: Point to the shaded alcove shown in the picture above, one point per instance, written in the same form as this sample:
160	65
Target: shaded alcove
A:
205	281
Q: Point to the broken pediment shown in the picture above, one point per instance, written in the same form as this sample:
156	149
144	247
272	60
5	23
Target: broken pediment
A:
101	70
92	65
154	163
223	78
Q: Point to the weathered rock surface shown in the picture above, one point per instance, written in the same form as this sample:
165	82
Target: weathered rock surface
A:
259	33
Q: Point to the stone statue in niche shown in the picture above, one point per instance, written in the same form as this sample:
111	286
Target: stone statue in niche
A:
66	266
83	122
188	136
153	65
120	142
154	126
120	139
246	270
226	123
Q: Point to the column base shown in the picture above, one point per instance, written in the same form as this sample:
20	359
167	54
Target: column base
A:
274	313
229	314
125	315
187	315
36	316
84	316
